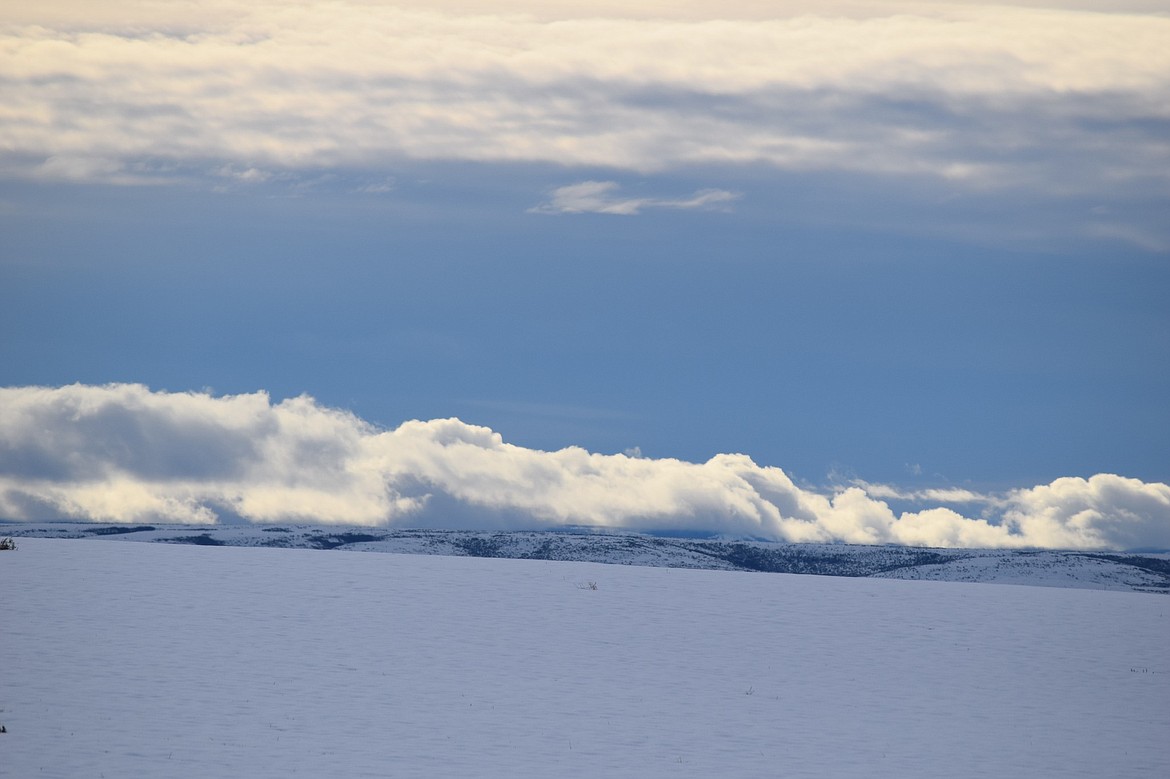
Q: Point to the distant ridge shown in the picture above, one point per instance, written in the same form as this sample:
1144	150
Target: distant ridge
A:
1075	569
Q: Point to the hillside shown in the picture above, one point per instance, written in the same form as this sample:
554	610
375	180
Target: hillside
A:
1088	570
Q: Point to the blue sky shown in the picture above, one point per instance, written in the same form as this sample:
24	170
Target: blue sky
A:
883	243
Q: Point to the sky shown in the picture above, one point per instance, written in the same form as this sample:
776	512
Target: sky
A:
659	265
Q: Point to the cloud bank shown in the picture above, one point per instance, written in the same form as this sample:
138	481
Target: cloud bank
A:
124	453
1065	98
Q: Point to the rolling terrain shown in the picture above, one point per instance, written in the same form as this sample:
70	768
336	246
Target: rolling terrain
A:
1147	572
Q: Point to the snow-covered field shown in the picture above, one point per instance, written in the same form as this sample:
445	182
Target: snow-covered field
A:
157	660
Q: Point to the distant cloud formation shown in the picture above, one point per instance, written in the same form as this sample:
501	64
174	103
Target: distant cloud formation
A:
1070	97
600	197
124	453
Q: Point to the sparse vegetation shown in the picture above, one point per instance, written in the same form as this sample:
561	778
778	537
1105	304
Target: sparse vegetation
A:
7	544
119	530
203	540
476	546
590	585
334	540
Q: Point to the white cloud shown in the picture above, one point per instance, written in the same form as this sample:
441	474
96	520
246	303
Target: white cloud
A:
600	197
1062	98
1131	234
79	168
245	175
933	494
1104	510
122	453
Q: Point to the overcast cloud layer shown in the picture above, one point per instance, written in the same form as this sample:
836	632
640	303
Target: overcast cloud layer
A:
122	453
1065	100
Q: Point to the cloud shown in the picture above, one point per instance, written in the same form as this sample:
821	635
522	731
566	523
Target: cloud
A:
246	175
935	494
1104	510
1058	100
599	197
1133	235
124	453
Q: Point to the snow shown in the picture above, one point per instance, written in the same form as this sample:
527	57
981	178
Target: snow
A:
156	660
1145	572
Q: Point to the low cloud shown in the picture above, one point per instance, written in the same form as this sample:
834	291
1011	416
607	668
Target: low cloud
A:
600	197
124	453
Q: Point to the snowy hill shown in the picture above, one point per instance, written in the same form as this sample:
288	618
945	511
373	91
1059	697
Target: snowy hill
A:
166	660
1089	570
